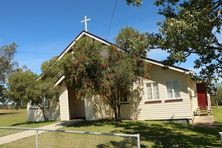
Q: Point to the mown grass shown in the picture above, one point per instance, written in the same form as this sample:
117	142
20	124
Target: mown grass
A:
16	118
217	112
153	134
64	140
159	134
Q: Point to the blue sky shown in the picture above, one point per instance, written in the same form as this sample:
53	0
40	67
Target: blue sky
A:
43	28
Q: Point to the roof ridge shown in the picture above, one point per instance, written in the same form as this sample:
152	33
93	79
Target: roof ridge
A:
83	32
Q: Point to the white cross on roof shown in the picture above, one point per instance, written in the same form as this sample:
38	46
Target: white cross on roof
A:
85	22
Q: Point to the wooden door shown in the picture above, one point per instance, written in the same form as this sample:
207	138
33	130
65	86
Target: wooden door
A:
202	95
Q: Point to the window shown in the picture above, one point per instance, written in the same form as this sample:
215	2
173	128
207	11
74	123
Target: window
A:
124	99
173	89
152	91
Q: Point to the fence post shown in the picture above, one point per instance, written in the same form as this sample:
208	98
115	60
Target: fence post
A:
36	136
138	140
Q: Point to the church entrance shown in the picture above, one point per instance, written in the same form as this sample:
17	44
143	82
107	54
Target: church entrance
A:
76	108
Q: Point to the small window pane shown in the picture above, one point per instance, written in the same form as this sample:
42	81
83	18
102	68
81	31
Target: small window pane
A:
155	91
173	89
124	99
169	93
169	90
176	88
149	91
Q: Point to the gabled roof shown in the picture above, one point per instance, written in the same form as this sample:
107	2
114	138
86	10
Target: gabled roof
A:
149	60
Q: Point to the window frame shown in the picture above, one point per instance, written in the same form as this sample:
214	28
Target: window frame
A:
152	91
125	101
173	90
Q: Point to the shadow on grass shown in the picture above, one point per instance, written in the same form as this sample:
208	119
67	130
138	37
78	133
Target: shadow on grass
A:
8	113
165	134
120	144
89	123
29	123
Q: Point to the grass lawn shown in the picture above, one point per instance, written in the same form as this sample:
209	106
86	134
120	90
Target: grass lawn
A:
153	134
217	112
162	134
12	117
159	134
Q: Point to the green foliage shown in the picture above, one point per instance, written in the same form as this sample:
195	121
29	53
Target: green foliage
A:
218	97
51	70
134	2
4	100
92	69
121	73
83	68
132	41
23	87
7	53
42	93
18	83
191	28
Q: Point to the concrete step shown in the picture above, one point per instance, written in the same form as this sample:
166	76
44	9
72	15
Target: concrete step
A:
203	119
201	112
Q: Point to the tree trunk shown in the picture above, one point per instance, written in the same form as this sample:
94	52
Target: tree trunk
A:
118	103
115	113
18	105
119	114
45	118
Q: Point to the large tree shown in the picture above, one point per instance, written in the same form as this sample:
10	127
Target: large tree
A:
92	69
51	70
4	99
7	63
7	53
24	87
133	41
41	94
122	79
18	83
82	68
43	91
191	27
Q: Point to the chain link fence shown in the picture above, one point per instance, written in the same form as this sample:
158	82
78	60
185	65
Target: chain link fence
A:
42	138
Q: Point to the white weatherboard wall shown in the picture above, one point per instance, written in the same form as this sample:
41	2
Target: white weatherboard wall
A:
97	108
180	109
64	104
193	95
140	108
34	113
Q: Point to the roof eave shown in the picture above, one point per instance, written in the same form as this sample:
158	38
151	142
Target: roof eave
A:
67	49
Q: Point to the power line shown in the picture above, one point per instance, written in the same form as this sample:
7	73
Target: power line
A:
111	20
